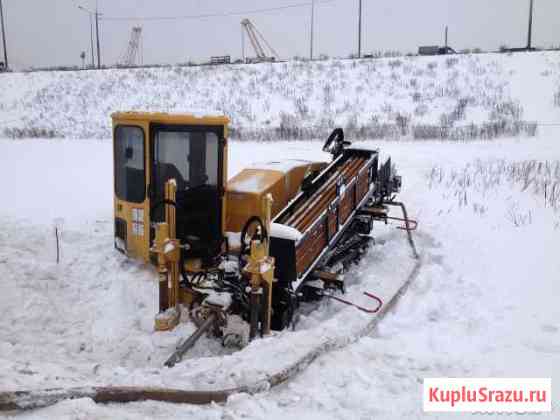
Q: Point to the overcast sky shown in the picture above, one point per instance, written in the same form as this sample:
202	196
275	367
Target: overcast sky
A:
54	32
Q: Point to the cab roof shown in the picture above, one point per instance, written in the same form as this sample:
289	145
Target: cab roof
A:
191	118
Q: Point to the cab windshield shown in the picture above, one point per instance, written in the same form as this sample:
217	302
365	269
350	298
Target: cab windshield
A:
192	156
188	156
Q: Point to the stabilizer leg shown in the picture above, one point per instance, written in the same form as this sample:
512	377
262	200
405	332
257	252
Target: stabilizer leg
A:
407	224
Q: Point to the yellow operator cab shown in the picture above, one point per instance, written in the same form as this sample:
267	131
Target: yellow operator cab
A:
152	148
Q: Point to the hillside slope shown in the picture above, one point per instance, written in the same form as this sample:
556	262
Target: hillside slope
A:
456	97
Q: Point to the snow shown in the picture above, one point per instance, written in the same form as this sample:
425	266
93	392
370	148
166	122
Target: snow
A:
239	329
376	97
219	299
284	166
168	247
278	230
68	181
167	314
234	239
255	183
483	304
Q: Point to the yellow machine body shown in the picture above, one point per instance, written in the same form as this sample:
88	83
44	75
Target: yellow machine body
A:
246	190
136	140
136	136
213	242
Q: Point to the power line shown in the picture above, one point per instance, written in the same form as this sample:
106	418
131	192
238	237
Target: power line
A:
212	15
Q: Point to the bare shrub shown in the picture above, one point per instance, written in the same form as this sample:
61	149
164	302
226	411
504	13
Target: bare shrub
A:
508	111
451	62
518	217
421	110
538	178
77	104
557	98
486	131
302	109
328	96
30	133
395	64
403	123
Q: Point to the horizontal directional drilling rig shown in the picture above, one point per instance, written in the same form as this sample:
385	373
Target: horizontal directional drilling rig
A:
238	256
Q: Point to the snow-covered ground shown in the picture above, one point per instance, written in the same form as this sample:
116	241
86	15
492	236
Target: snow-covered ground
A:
484	303
406	97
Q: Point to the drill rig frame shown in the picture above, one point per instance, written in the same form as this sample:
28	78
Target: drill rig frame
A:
302	227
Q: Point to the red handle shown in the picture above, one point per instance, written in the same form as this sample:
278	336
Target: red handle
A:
361	308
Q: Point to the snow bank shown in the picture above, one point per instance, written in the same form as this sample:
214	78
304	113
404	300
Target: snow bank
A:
408	97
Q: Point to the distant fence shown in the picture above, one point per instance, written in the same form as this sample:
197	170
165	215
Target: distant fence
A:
221	59
395	132
374	55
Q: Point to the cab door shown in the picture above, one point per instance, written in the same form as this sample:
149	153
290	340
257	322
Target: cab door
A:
193	156
131	201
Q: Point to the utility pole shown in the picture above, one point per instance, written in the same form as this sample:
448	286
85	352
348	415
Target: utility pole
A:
90	34
312	29
97	34
4	36
141	51
360	30
446	30
91	40
530	34
242	43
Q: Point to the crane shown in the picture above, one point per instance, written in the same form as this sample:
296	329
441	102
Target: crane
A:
133	53
258	42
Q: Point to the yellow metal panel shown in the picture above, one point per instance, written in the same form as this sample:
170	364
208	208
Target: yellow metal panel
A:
247	189
164	118
245	193
139	245
254	181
